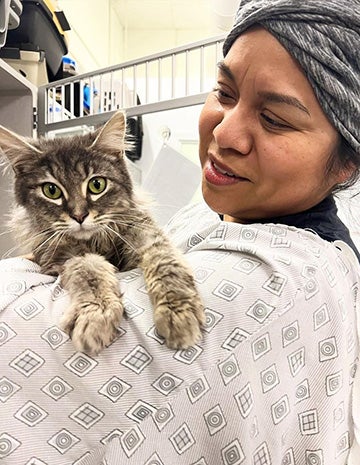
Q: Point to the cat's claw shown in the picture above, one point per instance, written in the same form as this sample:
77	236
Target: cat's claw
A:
180	323
92	326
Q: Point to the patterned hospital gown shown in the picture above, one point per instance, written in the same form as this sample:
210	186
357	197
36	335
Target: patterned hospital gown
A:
270	383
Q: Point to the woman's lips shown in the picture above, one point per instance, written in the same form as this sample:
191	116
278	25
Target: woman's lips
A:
220	175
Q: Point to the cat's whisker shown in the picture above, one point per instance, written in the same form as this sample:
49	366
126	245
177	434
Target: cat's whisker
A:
118	219
57	238
24	243
19	247
5	232
120	236
35	241
53	236
125	224
109	237
124	216
59	224
39	233
9	252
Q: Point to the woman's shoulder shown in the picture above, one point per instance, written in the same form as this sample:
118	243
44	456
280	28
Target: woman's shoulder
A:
191	222
196	227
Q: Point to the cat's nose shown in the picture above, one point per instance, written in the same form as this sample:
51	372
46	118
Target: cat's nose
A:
80	218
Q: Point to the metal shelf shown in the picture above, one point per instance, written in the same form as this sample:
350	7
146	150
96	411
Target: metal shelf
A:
18	98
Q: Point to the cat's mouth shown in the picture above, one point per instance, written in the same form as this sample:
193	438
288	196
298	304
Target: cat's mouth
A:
82	231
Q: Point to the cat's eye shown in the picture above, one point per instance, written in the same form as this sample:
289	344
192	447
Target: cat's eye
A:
97	185
51	190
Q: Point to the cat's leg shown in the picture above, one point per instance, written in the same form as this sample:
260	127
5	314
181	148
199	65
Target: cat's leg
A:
95	308
178	310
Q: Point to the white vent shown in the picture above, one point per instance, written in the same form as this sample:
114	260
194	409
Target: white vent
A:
10	11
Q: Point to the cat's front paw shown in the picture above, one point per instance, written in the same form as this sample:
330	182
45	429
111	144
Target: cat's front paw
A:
92	326
179	321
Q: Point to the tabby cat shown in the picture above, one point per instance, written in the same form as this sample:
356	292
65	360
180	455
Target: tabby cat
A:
78	214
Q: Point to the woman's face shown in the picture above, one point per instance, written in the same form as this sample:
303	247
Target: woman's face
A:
264	139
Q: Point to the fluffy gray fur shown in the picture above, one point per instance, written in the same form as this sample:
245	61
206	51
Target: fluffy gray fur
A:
86	237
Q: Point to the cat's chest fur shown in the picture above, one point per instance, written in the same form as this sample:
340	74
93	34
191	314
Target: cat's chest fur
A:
122	253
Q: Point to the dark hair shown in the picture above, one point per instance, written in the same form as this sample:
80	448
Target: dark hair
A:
344	156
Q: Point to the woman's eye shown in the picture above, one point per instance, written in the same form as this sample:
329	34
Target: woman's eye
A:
274	123
51	191
97	185
221	94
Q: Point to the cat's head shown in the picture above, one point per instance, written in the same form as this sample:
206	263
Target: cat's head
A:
74	185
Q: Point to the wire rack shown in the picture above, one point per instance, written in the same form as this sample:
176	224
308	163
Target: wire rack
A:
171	79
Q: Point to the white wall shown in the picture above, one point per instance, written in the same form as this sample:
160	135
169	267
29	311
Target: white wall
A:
142	42
95	40
183	126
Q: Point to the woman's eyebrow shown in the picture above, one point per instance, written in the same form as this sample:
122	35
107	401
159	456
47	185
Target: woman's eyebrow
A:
284	98
224	69
269	96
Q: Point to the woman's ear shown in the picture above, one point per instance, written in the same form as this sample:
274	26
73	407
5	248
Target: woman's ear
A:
346	172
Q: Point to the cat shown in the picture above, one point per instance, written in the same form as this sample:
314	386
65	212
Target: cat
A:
77	210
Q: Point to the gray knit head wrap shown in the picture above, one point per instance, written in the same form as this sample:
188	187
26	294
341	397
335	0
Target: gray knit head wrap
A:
324	37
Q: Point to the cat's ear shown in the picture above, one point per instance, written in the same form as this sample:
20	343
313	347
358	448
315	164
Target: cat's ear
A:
111	137
14	149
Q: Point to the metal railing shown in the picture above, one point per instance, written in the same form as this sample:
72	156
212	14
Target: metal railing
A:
172	79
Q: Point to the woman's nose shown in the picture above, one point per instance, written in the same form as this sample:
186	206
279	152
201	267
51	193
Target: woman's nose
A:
234	131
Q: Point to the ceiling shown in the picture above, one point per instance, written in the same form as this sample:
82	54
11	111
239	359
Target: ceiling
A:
164	14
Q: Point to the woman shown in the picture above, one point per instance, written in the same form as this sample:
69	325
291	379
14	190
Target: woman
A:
298	103
272	381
